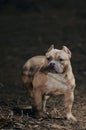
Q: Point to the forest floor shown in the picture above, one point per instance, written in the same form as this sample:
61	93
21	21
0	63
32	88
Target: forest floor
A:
14	116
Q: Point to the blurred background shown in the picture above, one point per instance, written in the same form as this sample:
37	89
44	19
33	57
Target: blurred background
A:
29	27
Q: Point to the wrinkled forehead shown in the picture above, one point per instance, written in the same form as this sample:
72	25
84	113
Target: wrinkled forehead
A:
61	54
55	53
52	52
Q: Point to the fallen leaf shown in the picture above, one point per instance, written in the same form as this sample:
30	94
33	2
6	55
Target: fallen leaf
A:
55	126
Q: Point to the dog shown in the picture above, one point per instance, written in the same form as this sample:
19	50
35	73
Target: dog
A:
54	77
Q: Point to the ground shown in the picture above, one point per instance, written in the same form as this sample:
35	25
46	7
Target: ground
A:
25	34
14	116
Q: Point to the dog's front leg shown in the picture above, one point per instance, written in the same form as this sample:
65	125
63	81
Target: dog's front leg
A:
44	103
68	102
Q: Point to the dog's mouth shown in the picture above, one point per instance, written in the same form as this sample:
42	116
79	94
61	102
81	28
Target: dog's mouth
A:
55	69
52	69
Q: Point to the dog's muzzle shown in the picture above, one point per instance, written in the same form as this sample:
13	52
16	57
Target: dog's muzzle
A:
55	67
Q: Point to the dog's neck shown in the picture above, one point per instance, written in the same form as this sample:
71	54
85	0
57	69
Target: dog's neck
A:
69	76
68	73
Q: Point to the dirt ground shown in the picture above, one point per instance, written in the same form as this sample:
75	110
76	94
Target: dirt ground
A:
25	34
14	116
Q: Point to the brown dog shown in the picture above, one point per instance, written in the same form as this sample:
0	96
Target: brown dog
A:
60	80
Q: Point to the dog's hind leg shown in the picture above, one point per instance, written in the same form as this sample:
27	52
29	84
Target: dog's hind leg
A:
38	101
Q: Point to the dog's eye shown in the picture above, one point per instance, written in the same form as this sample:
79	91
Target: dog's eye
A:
61	59
49	58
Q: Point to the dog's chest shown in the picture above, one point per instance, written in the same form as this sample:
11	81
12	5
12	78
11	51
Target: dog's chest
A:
56	83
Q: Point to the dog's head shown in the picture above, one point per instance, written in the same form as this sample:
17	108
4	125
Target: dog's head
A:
58	60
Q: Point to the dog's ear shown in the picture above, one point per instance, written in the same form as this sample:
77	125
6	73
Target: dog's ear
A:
51	47
64	48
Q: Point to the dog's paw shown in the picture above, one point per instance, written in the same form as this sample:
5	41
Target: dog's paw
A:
42	115
71	117
54	113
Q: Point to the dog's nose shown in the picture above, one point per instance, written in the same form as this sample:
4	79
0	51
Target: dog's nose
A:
52	64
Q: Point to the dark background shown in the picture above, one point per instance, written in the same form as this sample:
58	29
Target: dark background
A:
29	27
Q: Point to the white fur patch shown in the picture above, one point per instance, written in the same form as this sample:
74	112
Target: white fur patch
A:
55	82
